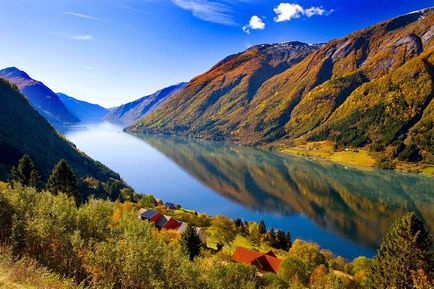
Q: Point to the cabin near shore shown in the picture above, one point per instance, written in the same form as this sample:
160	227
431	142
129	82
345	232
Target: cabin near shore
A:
163	222
264	262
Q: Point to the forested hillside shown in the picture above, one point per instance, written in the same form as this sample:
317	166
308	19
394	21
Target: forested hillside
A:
24	131
372	88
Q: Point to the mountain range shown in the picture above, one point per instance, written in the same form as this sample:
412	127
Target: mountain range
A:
372	88
84	111
131	112
62	110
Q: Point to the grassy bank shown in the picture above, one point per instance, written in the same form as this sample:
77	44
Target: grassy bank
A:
360	158
26	273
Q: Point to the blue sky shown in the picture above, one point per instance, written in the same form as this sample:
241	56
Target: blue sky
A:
111	52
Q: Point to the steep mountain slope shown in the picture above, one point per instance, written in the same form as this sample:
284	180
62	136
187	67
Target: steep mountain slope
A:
373	87
43	99
131	112
83	110
24	131
214	103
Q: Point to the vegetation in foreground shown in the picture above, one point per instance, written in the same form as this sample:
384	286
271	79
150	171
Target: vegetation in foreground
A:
26	273
102	244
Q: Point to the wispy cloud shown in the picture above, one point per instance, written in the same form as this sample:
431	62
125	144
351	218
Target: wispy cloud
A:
255	23
133	9
211	11
288	11
86	37
83	16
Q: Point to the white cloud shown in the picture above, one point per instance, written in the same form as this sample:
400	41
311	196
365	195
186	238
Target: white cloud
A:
81	37
255	23
206	10
314	11
288	11
84	16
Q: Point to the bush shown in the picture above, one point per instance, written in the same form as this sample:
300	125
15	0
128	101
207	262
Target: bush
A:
231	276
309	253
294	269
410	154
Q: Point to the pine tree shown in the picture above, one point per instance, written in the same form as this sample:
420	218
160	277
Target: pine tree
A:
62	179
26	174
282	240
406	248
288	241
262	227
191	242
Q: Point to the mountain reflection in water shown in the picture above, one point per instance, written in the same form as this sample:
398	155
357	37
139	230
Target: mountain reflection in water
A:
357	204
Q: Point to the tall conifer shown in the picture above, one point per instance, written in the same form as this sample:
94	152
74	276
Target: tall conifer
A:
26	174
407	248
62	179
191	242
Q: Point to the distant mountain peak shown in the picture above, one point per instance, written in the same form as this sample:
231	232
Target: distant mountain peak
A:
282	46
129	113
42	98
13	72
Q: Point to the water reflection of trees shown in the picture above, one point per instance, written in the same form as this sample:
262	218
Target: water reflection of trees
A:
360	204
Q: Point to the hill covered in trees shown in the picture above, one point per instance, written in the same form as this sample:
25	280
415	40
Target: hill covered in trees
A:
372	88
42	98
24	131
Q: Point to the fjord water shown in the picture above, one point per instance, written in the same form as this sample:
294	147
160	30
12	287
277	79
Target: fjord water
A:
346	210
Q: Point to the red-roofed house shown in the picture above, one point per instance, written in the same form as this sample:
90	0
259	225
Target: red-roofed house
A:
171	224
168	223
266	262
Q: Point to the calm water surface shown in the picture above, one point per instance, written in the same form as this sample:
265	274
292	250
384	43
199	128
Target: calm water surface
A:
343	209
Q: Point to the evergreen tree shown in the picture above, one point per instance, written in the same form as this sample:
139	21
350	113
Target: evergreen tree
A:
62	179
191	242
283	241
407	248
272	234
288	241
238	223
262	227
26	174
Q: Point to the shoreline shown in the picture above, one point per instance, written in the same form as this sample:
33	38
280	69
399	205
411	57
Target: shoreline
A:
359	158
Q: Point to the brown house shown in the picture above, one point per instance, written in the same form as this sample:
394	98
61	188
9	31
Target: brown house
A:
265	262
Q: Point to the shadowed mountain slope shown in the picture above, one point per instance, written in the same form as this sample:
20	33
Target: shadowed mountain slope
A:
24	131
83	110
131	112
43	99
